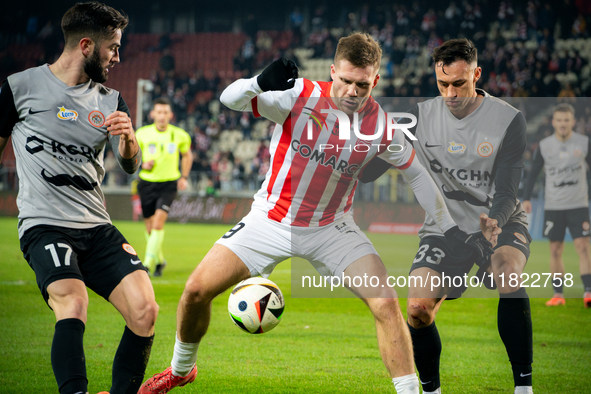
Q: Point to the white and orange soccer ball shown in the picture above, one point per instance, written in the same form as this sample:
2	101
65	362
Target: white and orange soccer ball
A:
256	305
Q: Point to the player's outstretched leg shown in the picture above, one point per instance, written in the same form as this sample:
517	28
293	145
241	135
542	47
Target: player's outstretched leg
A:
69	300
422	306
393	337
134	299
219	270
514	317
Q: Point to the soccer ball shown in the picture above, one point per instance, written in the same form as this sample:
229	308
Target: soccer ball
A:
256	305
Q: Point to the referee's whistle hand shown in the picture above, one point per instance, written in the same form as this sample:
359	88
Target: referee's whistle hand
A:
148	165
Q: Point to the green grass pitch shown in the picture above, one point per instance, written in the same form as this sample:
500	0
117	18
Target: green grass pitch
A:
321	345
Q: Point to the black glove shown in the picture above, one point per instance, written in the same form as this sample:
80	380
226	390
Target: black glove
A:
481	248
279	75
482	251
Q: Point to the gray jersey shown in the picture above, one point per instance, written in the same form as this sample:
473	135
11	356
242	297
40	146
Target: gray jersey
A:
566	174
462	156
59	142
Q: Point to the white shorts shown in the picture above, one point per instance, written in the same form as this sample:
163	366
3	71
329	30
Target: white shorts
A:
262	243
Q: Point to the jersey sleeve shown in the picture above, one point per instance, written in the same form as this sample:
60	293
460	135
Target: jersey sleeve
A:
536	167
379	165
8	113
400	152
122	106
508	168
246	95
428	194
373	170
185	144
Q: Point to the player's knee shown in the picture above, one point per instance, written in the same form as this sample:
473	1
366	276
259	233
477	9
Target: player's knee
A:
383	308
582	245
556	252
195	293
149	315
143	317
420	314
70	307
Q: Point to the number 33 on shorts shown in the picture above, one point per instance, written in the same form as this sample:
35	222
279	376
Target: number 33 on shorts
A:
432	255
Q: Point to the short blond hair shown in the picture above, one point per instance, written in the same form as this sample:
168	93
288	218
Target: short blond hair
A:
359	49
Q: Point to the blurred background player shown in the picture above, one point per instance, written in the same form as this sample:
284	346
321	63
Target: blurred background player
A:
160	177
307	194
478	178
65	231
566	201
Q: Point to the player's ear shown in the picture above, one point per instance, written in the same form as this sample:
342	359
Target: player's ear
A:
477	74
86	46
332	71
375	81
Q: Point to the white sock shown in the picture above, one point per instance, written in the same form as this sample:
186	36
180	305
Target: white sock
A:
184	357
523	390
438	391
408	384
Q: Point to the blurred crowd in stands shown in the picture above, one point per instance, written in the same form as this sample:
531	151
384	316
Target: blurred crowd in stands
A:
517	50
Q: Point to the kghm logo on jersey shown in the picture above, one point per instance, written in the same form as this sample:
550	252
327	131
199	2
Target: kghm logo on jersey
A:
96	118
456	148
485	149
67	114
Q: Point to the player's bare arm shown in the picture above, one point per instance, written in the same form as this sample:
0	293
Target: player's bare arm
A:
526	206
490	228
186	163
119	123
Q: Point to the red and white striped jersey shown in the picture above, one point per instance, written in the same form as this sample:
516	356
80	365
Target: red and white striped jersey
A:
312	178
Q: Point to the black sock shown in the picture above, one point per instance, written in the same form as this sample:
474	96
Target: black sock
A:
557	285
515	329
426	345
67	356
586	282
130	362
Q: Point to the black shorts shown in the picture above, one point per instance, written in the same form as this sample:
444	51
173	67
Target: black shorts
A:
436	253
98	256
156	195
556	222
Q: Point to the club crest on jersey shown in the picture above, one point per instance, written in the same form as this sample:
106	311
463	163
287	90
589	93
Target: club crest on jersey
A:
520	237
485	149
96	118
67	114
129	249
152	149
456	148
